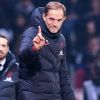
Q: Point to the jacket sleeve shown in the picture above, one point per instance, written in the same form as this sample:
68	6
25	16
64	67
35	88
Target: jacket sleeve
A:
25	48
26	52
66	88
27	56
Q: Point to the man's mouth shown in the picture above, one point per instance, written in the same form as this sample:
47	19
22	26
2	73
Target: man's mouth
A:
54	28
1	53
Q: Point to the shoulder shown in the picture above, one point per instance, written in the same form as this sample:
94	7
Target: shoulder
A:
11	59
62	38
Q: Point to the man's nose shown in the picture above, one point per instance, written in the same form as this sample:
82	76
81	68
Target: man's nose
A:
55	23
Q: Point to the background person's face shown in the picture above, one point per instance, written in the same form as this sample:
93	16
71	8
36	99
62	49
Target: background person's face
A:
4	48
54	20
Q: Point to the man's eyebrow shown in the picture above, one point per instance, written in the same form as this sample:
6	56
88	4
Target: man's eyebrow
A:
51	18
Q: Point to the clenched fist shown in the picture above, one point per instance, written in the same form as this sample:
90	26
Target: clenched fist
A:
39	40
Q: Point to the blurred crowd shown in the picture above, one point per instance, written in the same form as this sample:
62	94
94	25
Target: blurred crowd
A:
81	30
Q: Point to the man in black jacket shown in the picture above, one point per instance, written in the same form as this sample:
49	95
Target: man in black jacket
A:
42	56
8	71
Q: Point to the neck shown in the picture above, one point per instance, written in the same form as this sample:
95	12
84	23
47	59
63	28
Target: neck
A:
49	34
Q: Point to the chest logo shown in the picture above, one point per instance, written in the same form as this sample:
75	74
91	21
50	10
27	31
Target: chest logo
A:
61	52
9	77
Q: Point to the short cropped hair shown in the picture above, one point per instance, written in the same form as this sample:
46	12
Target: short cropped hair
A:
3	36
53	5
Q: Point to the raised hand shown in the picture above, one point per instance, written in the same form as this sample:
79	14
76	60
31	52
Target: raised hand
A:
39	40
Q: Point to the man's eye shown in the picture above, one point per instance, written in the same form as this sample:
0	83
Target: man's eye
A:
59	20
3	45
51	19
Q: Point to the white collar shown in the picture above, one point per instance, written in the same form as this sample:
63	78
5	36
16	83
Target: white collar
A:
2	62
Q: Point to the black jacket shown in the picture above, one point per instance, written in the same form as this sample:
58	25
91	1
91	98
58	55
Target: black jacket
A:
8	78
43	73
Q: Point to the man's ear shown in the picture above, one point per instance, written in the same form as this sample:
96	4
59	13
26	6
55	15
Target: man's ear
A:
8	48
65	17
43	15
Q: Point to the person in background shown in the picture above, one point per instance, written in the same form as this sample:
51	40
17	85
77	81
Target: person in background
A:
8	70
42	57
91	87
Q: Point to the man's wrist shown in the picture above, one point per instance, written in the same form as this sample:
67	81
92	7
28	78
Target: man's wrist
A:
34	48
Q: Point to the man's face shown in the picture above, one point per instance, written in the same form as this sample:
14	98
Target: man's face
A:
54	20
4	48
